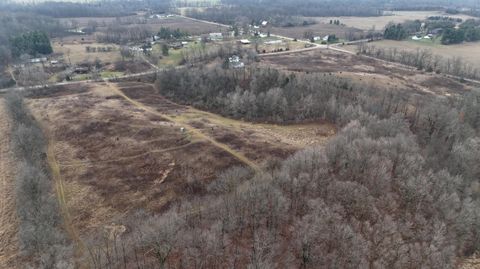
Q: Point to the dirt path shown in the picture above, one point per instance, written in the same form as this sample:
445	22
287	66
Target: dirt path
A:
8	217
188	128
62	198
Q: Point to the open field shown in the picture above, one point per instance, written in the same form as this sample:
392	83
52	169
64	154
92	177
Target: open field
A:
319	29
469	51
83	21
265	47
368	71
8	216
378	23
120	147
176	22
76	52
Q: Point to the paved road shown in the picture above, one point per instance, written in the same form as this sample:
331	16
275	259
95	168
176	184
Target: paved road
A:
36	87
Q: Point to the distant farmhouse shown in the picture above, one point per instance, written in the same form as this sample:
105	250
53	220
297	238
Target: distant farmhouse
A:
215	36
235	62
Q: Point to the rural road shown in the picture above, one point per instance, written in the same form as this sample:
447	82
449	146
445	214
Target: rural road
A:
334	47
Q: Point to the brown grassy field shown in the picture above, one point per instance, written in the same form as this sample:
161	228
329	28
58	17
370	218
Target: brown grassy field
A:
367	71
469	51
190	26
75	52
319	29
120	148
366	23
8	219
83	21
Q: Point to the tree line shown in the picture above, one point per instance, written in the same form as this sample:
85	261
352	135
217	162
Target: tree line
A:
282	13
32	43
25	33
42	241
423	59
469	31
117	8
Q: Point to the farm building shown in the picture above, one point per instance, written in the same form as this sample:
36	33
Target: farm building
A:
235	62
38	60
215	36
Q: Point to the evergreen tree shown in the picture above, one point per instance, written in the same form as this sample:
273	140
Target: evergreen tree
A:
32	43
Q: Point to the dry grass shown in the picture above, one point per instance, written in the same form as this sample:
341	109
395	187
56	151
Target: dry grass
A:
319	29
470	51
76	52
379	23
122	157
83	21
367	71
8	217
190	26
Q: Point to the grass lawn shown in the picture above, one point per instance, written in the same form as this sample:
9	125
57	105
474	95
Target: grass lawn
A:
111	74
434	42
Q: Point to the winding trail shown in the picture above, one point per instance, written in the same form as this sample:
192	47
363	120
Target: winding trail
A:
242	158
59	183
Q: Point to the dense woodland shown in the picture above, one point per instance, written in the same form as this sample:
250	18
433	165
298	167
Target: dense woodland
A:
116	8
283	13
32	43
28	32
467	31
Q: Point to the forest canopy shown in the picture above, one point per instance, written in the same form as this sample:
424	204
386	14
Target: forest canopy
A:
32	43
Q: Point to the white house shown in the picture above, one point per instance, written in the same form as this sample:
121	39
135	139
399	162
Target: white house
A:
264	23
38	60
245	41
216	36
235	62
325	38
156	16
416	38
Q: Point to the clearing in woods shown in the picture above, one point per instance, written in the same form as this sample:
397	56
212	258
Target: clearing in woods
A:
370	72
8	216
468	51
120	147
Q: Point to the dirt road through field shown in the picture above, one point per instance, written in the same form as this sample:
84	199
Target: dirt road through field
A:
62	199
188	128
8	217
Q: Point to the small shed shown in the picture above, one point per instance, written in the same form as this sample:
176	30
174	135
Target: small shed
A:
216	36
